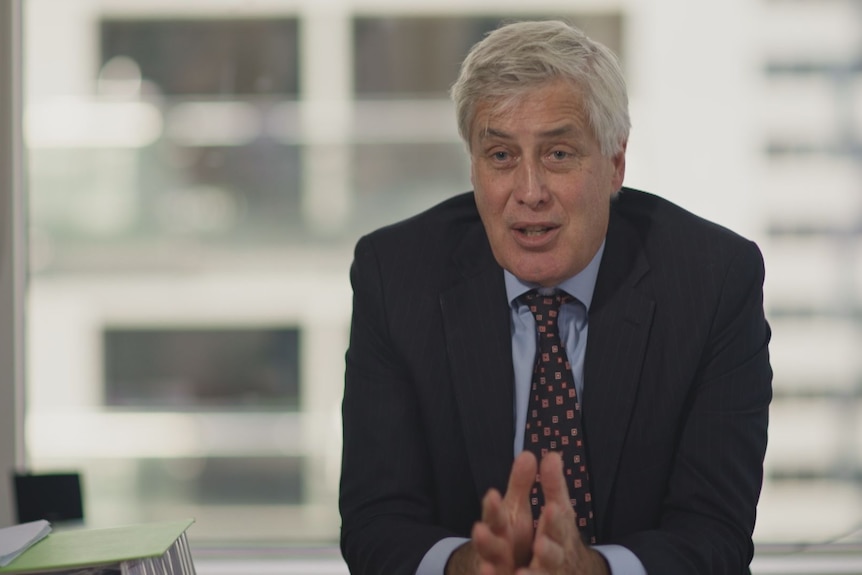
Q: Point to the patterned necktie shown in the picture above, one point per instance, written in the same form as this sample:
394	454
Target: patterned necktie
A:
554	412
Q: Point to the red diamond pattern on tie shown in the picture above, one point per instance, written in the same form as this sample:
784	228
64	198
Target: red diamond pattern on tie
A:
554	412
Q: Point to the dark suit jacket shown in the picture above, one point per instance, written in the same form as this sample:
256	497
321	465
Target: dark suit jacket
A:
677	388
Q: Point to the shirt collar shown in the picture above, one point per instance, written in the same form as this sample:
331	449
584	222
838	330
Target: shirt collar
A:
580	285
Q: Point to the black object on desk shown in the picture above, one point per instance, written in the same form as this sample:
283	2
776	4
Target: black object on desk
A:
55	497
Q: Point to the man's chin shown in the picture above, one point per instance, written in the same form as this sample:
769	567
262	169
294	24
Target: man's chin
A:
539	275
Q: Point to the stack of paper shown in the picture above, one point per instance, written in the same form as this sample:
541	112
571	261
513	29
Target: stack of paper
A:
147	549
18	538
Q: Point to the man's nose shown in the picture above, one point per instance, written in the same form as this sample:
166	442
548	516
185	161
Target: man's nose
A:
529	184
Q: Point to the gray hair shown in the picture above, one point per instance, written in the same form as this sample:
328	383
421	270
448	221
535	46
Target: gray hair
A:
520	57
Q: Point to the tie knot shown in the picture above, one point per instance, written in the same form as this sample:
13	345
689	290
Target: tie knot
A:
545	307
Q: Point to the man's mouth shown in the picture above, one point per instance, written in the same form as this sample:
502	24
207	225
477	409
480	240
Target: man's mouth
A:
534	231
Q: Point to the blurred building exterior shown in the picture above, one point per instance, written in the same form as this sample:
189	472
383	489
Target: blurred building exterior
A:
200	171
810	156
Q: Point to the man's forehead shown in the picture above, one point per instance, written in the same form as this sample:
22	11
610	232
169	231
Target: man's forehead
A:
510	124
493	117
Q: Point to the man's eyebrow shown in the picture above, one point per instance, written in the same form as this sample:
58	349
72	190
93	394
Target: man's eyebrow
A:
494	133
564	130
561	131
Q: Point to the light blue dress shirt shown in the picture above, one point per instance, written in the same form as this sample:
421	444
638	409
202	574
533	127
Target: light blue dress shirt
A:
573	326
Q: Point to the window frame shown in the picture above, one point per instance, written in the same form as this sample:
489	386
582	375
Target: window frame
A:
12	253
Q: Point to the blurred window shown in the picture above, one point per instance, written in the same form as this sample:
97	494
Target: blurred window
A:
199	174
199	368
216	57
419	57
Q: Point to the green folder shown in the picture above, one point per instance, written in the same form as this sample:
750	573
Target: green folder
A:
145	548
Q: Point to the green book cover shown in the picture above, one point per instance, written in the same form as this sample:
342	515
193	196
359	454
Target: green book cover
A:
81	548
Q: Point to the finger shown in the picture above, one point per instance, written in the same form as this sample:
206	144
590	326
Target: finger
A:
521	478
531	571
553	481
492	508
511	519
504	518
491	548
551	524
488	569
548	554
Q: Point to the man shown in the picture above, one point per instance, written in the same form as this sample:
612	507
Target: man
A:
655	314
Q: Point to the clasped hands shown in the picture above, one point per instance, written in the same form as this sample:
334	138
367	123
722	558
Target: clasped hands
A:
504	541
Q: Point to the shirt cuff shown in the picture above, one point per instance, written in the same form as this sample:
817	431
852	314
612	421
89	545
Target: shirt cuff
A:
434	562
621	560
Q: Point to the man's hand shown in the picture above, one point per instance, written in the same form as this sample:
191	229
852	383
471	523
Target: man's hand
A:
558	548
504	537
503	542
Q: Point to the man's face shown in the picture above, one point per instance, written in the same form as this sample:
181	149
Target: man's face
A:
542	186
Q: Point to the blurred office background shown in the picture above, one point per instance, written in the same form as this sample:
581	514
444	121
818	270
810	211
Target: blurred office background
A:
199	171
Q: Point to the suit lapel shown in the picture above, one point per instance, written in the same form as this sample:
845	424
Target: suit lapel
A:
476	324
619	326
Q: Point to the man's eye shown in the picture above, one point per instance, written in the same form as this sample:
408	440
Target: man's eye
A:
501	156
559	155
